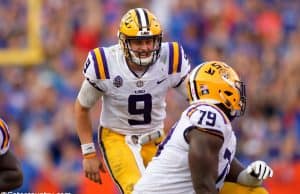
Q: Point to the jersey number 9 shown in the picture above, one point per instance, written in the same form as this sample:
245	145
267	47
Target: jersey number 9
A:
133	109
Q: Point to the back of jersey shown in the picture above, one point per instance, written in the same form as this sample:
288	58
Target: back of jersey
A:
169	172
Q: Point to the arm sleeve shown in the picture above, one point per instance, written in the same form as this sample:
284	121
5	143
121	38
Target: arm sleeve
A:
88	95
95	70
182	68
181	89
89	70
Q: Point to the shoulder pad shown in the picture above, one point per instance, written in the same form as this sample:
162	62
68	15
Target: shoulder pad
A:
208	117
96	66
175	57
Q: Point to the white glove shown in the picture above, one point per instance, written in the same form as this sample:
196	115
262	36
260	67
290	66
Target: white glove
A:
255	173
260	170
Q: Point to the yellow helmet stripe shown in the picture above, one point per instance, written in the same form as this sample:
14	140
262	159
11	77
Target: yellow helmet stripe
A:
4	131
101	66
175	58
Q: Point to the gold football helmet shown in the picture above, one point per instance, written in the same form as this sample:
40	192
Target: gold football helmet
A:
217	83
139	24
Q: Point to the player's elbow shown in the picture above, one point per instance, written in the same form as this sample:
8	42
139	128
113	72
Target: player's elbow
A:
80	109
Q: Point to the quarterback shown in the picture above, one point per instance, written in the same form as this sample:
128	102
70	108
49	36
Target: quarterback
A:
11	176
198	154
132	79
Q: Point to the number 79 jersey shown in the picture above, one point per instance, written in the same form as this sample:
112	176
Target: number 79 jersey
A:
169	172
134	104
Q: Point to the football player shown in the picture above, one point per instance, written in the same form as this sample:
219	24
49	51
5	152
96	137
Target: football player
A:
11	176
132	79
198	154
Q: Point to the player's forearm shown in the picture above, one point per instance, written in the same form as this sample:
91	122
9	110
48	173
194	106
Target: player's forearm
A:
235	168
205	186
83	124
204	181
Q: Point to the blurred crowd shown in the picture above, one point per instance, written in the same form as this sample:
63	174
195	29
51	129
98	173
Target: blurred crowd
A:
259	38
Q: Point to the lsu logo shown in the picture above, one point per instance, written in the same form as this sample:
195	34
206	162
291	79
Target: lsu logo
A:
118	81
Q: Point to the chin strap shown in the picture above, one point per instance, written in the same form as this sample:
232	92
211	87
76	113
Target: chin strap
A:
141	61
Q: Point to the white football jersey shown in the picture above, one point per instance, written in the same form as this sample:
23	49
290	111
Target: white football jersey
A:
133	104
4	137
169	172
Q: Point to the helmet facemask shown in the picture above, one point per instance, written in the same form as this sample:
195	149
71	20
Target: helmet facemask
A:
242	89
136	56
231	102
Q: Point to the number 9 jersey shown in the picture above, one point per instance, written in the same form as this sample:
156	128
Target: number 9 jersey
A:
4	137
133	104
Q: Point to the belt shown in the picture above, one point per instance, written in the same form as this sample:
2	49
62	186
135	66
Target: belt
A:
147	137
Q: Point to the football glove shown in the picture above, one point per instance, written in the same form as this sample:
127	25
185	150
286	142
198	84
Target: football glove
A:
255	174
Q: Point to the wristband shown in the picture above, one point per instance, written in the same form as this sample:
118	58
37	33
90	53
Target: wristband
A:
91	155
88	148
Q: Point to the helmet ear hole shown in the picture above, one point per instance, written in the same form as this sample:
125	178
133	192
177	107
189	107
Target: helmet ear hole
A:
228	93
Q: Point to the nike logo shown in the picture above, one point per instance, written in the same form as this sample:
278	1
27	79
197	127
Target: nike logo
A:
160	81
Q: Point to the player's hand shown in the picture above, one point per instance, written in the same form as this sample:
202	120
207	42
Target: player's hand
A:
255	174
91	167
260	170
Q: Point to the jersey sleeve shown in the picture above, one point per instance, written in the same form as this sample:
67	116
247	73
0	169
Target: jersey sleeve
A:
179	65
208	118
4	137
96	68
